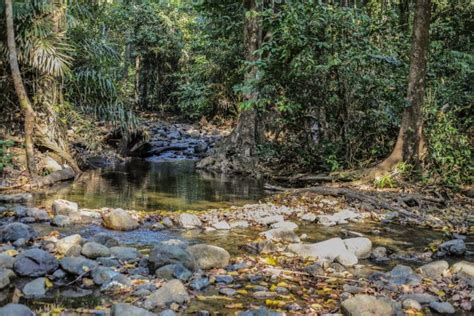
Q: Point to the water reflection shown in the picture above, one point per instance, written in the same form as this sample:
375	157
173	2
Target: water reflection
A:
143	185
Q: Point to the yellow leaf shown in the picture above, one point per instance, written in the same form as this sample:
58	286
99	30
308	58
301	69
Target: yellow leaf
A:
243	292
316	307
48	283
282	284
235	306
271	261
11	252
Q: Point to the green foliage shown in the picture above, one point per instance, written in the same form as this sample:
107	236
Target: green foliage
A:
5	156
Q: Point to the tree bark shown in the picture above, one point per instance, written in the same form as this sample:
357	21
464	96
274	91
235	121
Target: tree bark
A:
410	145
25	104
404	14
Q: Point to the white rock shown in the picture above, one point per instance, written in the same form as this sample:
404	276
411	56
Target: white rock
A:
222	225
327	250
267	220
360	246
187	220
51	165
239	224
64	244
63	207
463	267
286	225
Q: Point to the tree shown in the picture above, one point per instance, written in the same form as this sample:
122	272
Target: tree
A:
410	144
25	104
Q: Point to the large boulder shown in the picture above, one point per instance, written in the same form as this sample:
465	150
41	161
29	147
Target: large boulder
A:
122	309
63	207
119	219
434	270
209	257
15	310
360	246
65	244
164	254
361	305
14	231
35	263
187	220
77	265
171	292
95	250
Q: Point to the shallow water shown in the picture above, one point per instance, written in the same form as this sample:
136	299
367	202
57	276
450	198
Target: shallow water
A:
144	185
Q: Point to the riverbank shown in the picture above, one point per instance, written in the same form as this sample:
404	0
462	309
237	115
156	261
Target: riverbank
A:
301	253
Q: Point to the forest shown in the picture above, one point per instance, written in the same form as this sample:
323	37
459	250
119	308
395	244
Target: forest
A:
251	157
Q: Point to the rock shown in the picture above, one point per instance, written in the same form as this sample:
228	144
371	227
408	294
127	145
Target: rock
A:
342	217
63	207
314	269
434	270
63	245
455	247
171	292
123	309
125	253
15	310
74	251
59	274
35	263
199	283
14	231
51	165
75	293
442	308
167	222
222	225
16	198
6	261
286	225
105	239
347	259
187	220
35	288
227	291
86	217
103	275
403	275
239	224
95	250
327	250
262	311
226	279
61	221
362	304
167	312
308	217
281	234
77	265
412	304
209	257
463	267
200	148
164	254
379	253
360	246
38	214
422	298
4	279
173	271
267	220
119	219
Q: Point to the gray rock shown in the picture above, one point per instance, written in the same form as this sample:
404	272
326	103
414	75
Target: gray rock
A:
35	288
105	239
103	275
327	250
227	291
199	283
38	214
74	251
281	235
61	221
403	275
222	225
119	219
171	292
15	310
239	224
125	253
163	254
173	271
379	253
209	257
167	312
16	198
409	303
51	165
347	259
422	298
315	269
308	217
262	311
64	244
123	309
63	207
442	307
59	274
286	225
187	220
77	265
14	231
95	250
434	270
362	304
463	267
226	279
108	261
167	222
6	261
455	247
267	220
4	279
360	246
35	263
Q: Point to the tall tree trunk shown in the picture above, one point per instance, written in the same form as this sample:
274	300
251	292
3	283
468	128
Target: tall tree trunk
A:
410	145
25	104
237	153
404	14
